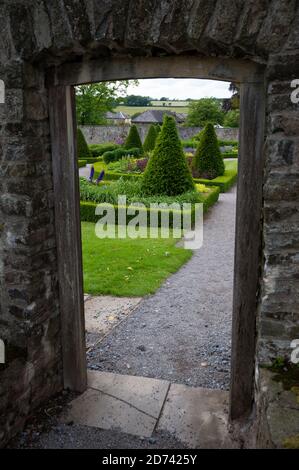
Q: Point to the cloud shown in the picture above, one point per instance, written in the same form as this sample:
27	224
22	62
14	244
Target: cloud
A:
174	88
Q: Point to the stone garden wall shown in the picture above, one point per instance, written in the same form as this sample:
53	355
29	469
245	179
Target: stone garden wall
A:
99	134
34	35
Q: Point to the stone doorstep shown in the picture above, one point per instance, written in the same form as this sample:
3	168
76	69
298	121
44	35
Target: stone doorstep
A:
139	405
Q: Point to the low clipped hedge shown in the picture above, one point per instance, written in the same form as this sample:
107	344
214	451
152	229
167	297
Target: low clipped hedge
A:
87	209
115	155
82	163
230	155
223	143
211	198
224	183
92	160
99	149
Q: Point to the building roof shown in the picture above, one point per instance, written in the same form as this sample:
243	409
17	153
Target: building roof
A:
117	115
156	116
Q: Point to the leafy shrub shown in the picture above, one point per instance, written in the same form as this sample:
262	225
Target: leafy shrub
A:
150	140
189	143
208	161
232	118
82	147
133	140
128	165
82	163
115	155
98	149
167	171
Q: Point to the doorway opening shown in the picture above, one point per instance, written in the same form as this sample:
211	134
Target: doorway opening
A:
248	220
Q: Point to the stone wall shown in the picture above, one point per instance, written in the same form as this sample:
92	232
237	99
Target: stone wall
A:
29	303
279	319
99	134
35	35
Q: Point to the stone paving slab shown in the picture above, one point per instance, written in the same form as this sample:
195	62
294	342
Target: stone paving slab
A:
103	313
197	416
145	394
96	409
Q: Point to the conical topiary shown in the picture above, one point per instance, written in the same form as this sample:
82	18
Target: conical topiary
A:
167	172
82	147
150	140
208	161
133	140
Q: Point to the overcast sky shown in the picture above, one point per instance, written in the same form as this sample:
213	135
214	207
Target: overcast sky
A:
183	88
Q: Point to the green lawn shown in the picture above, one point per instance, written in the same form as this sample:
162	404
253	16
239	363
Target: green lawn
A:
130	110
127	267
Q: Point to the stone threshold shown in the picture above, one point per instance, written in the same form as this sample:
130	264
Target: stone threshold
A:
139	406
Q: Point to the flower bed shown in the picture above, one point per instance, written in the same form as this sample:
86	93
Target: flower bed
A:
224	182
92	195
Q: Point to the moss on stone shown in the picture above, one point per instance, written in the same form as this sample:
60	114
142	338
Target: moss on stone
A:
286	373
291	442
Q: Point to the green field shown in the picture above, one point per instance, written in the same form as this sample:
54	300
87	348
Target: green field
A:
170	103
140	109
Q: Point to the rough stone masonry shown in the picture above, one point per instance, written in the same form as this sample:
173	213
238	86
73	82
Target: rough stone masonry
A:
36	34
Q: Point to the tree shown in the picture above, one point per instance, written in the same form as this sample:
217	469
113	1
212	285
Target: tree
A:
208	161
137	100
133	139
232	118
203	111
82	147
150	140
235	99
167	172
93	101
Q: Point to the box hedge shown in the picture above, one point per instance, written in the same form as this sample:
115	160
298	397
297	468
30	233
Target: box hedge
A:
133	139
167	172
115	155
99	149
208	161
83	151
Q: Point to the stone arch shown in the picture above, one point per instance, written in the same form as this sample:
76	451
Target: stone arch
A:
40	39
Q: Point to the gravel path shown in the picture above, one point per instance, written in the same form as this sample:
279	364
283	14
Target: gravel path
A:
182	333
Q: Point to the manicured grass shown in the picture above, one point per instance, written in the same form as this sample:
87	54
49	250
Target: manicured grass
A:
127	267
130	110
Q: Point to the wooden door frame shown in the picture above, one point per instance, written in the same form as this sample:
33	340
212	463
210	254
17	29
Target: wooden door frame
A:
248	256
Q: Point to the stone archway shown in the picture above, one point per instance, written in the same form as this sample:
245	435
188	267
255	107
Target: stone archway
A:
37	35
249	205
